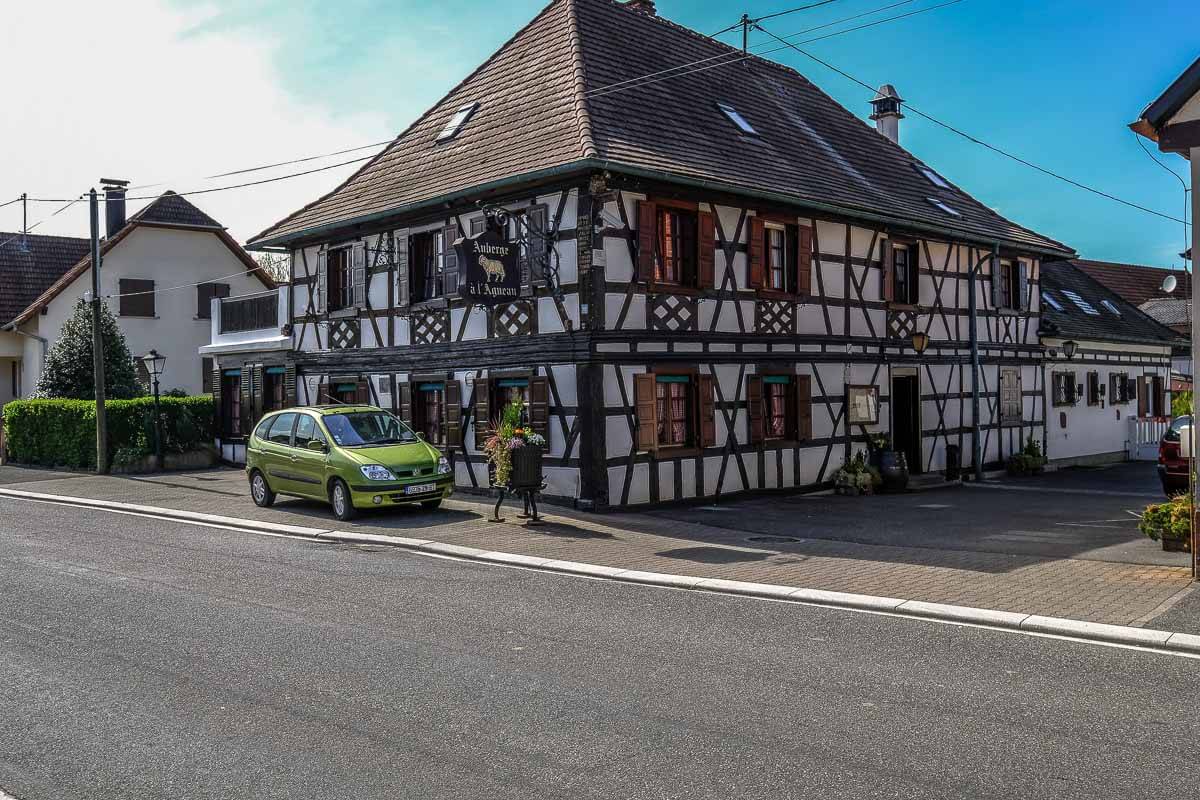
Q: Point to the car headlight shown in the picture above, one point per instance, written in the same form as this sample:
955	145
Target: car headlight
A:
377	472
443	466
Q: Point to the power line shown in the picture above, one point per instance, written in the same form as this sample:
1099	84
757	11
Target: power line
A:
10	202
69	203
736	57
742	21
975	139
231	186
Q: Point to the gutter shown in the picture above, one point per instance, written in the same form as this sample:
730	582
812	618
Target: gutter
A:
587	164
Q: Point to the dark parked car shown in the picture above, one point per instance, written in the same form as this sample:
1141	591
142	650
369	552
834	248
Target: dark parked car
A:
1173	468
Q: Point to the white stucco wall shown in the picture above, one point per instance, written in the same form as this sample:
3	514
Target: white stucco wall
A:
171	258
1082	430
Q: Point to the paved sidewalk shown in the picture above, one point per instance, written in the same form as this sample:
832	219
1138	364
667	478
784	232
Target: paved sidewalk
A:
900	546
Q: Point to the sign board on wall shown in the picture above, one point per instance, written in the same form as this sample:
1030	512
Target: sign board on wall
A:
490	269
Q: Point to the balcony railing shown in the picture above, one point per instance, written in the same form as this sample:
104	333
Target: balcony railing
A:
250	313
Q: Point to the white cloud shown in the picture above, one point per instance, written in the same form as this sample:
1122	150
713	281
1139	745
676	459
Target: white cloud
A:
116	90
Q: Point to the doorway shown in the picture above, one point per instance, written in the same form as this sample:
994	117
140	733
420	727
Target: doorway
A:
906	417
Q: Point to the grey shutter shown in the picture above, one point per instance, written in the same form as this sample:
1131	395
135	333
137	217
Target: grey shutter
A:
1023	301
538	221
246	406
450	235
406	398
289	385
401	259
358	272
995	282
322	282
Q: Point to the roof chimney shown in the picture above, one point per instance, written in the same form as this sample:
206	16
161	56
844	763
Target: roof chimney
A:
114	205
643	6
887	116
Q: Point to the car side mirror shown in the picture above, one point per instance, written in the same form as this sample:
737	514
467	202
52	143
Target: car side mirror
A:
421	436
317	445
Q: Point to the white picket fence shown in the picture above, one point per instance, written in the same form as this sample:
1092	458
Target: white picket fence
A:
1144	435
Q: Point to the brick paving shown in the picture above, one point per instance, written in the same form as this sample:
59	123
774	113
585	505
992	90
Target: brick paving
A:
1095	589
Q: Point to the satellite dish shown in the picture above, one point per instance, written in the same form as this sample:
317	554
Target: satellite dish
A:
1168	284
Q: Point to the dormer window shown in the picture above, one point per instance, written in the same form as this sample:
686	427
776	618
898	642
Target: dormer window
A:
943	207
1050	301
1110	306
737	119
1083	305
457	121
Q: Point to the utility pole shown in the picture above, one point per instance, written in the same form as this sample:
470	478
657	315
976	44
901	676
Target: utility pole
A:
98	340
25	213
745	32
973	333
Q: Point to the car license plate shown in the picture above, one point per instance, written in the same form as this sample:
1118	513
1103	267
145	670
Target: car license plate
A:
420	488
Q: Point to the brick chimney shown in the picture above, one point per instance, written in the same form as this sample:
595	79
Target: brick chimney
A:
643	6
886	113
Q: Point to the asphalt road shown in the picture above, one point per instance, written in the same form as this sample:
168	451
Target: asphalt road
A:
140	659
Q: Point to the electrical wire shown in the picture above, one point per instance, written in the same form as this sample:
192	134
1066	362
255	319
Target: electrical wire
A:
10	202
975	139
69	203
740	22
735	57
157	290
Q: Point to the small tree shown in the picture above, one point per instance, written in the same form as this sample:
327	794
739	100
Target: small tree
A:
69	371
277	265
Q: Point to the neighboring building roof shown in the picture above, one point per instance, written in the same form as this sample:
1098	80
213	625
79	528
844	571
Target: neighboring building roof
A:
172	209
1102	314
168	210
1136	283
1169	102
29	264
1174	312
545	107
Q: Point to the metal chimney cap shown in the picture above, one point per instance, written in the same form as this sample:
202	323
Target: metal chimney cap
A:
887	92
113	182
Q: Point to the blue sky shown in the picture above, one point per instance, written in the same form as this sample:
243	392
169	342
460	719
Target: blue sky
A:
1056	82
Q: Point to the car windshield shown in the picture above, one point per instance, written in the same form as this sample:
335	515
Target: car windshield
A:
1177	425
367	429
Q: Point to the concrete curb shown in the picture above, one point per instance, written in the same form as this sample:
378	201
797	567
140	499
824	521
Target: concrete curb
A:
1164	641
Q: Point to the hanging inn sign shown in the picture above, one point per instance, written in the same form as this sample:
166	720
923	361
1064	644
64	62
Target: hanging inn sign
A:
490	268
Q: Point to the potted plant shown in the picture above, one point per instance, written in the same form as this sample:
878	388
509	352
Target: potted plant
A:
1170	522
891	464
514	451
856	477
1029	461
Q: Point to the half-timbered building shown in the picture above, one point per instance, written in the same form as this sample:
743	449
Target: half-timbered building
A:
728	279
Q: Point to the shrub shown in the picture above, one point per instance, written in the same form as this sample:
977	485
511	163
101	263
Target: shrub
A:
1169	520
69	369
1028	461
62	433
1181	404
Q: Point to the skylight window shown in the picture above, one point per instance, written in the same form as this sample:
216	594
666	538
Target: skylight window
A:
457	121
1049	300
1109	305
737	119
1084	305
943	206
931	176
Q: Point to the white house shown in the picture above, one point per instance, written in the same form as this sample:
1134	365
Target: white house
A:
1107	371
159	271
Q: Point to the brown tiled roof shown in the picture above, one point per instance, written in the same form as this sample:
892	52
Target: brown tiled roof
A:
1122	322
1135	282
167	210
170	208
543	107
29	264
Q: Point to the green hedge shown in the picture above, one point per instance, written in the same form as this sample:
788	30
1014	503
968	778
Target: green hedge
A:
62	433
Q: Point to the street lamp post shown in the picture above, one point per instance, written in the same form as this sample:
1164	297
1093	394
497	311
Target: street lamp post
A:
154	365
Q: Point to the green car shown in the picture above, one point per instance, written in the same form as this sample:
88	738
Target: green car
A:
350	456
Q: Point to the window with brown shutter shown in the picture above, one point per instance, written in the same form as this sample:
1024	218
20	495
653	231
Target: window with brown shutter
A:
1010	396
676	245
804	260
886	287
205	293
903	272
675	410
454	410
1143	397
645	407
774	403
1093	388
803	408
756	269
137	297
754	407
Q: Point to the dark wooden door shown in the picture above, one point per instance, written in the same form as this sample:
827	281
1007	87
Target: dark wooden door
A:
906	419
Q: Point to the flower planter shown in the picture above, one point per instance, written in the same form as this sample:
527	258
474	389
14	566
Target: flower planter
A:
526	469
1174	545
893	467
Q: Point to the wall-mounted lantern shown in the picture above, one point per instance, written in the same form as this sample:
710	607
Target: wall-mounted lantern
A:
1069	349
920	341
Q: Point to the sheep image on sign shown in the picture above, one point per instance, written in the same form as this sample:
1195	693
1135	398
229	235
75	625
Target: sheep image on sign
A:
490	271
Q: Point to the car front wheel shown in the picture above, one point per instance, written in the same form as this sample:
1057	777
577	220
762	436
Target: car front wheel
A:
339	498
260	490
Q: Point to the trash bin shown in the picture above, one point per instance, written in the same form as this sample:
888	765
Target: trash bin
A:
953	462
